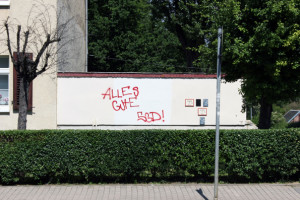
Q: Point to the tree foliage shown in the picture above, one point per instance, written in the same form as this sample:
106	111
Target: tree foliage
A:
156	35
124	37
264	51
189	20
261	47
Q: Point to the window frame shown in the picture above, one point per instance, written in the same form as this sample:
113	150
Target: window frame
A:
5	71
5	3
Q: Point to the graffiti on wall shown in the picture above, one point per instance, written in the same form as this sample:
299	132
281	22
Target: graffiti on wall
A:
125	98
151	116
122	98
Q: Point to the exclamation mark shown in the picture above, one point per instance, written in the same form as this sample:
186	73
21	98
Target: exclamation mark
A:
163	115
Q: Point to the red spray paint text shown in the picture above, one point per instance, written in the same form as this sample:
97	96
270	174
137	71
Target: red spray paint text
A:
120	93
124	98
151	116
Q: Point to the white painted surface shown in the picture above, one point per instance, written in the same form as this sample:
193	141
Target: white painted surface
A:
4	2
154	96
148	101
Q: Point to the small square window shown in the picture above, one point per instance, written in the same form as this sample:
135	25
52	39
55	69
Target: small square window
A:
3	82
3	62
3	89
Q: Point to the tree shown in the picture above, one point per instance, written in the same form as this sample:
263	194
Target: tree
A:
264	50
261	47
39	37
192	22
123	36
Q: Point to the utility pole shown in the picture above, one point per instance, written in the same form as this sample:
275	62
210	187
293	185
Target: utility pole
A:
220	33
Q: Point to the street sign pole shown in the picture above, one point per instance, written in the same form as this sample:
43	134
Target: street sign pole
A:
220	33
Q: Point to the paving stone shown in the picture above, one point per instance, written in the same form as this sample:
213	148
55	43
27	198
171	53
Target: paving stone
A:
152	192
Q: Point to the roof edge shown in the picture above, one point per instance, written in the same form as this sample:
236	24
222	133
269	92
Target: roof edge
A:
133	75
298	112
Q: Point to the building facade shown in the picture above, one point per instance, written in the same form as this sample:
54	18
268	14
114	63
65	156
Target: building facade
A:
43	114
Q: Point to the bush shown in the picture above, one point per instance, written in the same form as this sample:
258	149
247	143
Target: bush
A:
278	121
261	155
83	156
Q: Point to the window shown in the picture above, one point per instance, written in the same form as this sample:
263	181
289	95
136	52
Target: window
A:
4	84
4	2
17	88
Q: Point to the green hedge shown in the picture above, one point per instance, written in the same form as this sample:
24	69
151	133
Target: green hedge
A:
80	156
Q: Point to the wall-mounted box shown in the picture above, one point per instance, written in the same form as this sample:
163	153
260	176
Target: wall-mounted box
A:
205	102
198	102
202	121
202	111
189	102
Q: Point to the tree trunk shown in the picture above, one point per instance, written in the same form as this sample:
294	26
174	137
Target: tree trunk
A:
190	55
265	114
23	104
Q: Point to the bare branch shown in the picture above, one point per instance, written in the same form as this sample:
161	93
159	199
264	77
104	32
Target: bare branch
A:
44	68
8	41
18	39
44	47
38	36
25	42
17	66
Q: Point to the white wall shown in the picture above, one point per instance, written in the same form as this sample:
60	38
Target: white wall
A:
149	101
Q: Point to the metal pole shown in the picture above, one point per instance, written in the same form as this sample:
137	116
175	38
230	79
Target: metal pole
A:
220	32
86	34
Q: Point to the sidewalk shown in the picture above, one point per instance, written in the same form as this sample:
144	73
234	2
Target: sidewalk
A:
152	192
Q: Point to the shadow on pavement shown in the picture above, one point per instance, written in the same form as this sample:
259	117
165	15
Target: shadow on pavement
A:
201	193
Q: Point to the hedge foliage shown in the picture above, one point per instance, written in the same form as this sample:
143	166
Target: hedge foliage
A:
84	156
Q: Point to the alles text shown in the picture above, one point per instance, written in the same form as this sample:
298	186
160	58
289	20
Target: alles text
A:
123	98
